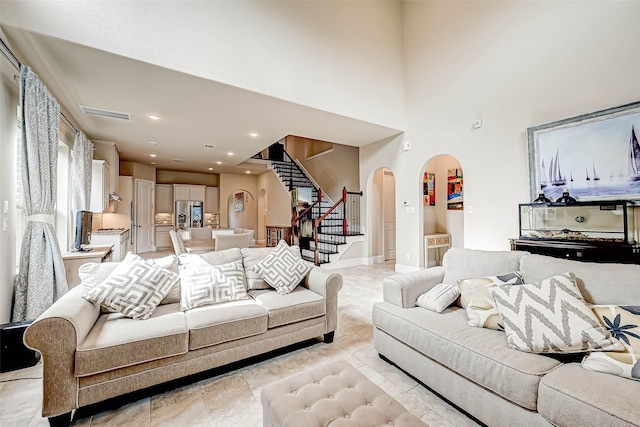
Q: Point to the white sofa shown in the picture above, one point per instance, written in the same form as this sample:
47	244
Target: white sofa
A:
91	355
475	369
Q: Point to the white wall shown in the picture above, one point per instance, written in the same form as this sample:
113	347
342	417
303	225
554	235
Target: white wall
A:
351	51
513	65
279	201
8	134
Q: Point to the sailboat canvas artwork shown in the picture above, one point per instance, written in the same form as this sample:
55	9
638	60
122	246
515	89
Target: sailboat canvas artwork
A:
595	156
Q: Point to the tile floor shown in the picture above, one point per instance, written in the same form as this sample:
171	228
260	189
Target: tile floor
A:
232	398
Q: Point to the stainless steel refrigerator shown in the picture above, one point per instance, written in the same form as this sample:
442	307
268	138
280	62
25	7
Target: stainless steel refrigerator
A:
188	214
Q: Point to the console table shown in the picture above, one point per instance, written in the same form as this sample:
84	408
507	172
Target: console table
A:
277	232
435	242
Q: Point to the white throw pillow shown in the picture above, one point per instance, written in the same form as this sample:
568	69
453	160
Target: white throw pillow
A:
93	273
439	297
551	317
209	284
283	269
475	298
134	288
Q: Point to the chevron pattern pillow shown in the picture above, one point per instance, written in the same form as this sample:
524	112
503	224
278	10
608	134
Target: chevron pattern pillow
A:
205	285
134	288
550	317
283	269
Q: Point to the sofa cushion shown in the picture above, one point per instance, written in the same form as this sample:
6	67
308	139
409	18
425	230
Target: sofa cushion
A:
623	322
477	301
227	321
283	269
550	317
211	284
93	273
210	258
462	263
116	341
134	288
572	395
479	354
599	283
251	257
300	304
439	297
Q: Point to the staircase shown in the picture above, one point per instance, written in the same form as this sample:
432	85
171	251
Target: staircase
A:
322	227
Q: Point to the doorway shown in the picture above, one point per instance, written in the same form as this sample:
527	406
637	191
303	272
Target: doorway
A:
144	208
389	215
242	210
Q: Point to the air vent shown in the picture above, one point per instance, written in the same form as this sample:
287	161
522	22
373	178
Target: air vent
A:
177	160
105	113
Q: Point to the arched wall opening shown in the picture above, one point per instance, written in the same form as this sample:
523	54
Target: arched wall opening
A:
242	210
437	216
381	214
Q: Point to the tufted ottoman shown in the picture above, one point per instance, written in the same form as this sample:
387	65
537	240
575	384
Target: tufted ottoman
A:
335	395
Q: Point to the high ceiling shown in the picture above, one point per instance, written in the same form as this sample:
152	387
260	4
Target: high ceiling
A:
192	111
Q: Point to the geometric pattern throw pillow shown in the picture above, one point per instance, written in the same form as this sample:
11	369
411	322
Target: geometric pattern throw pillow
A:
282	269
623	322
134	288
551	317
475	298
205	285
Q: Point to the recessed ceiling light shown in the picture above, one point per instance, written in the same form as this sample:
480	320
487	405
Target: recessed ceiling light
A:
154	117
218	163
210	169
153	143
209	146
253	134
229	153
153	155
248	172
153	163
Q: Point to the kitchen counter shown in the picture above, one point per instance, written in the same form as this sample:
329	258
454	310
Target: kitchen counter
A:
118	237
113	231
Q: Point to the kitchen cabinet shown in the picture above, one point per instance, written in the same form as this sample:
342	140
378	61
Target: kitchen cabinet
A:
211	197
188	192
100	186
119	239
108	152
163	240
73	260
164	198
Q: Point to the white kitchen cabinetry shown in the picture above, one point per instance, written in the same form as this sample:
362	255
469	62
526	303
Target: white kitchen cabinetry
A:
107	151
164	198
211	197
120	242
188	192
100	186
163	240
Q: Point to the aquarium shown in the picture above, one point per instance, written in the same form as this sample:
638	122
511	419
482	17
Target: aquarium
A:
610	221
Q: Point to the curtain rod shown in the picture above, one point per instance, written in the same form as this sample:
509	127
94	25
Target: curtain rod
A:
7	53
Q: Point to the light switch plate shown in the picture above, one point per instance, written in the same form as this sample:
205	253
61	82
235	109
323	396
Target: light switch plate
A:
5	206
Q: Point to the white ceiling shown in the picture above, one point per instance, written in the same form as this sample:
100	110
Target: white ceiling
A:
193	111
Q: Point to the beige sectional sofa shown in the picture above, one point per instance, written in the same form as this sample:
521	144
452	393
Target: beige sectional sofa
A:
90	356
476	370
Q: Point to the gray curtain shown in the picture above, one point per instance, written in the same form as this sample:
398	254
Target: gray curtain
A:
41	278
81	175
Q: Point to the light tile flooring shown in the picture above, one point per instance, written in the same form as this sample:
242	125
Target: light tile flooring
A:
232	398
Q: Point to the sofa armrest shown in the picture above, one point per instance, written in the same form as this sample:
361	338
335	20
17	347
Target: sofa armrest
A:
404	289
327	284
56	334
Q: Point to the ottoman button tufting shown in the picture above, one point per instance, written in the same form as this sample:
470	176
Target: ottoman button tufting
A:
293	392
368	403
347	416
390	423
306	408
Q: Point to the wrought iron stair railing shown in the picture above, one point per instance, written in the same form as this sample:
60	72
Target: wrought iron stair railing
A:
323	225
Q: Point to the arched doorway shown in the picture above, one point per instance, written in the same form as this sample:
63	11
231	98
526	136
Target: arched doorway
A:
439	216
242	210
263	215
381	213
